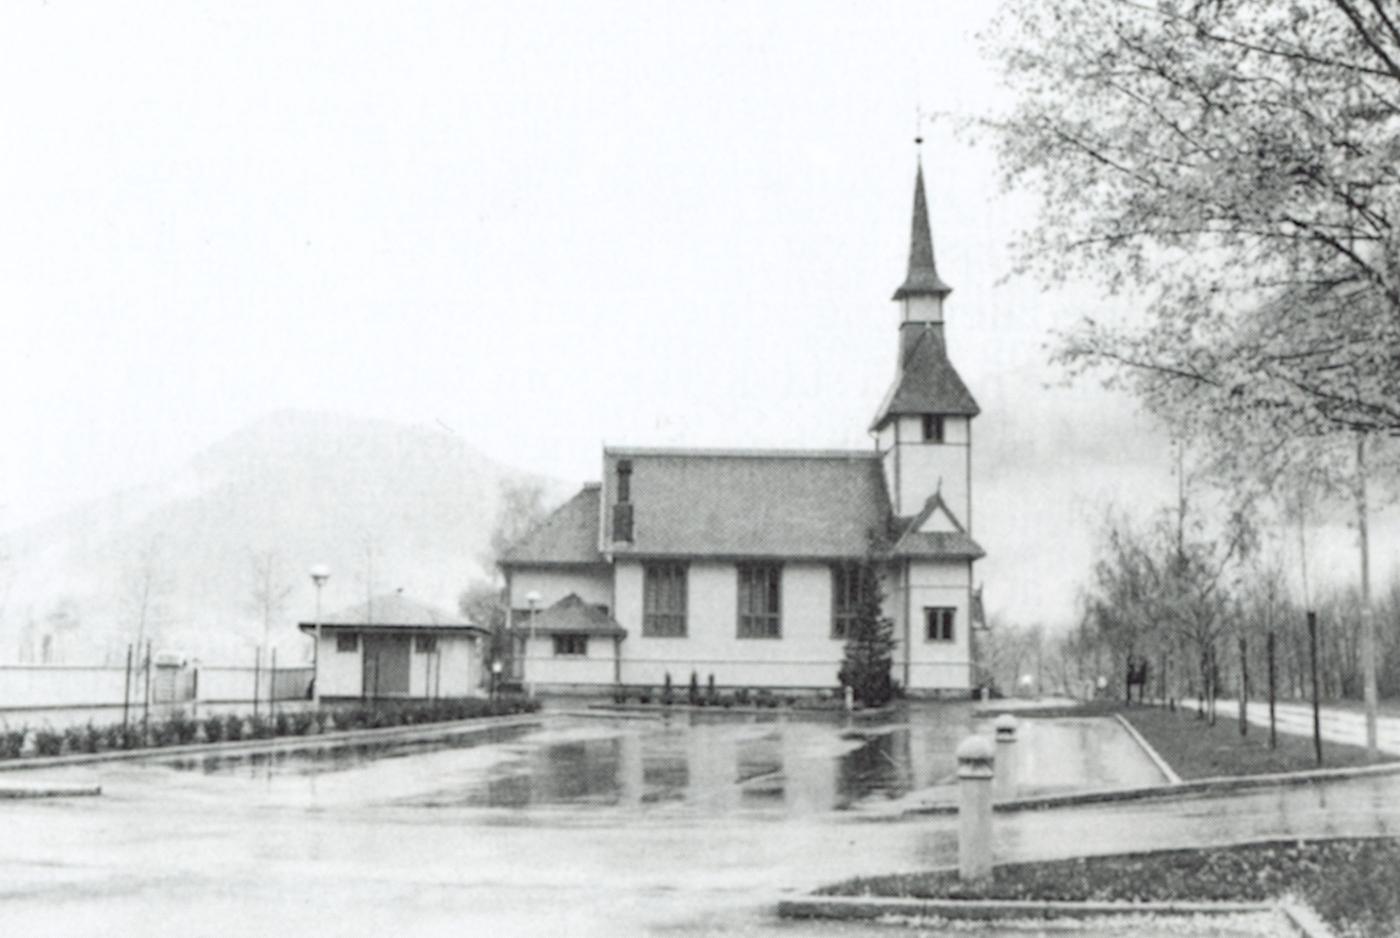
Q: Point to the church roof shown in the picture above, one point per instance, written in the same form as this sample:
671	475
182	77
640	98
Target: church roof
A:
922	279
572	616
927	382
569	536
394	611
751	503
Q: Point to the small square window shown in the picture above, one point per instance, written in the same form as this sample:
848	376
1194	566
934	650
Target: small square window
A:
933	428
347	641
426	644
571	646
939	623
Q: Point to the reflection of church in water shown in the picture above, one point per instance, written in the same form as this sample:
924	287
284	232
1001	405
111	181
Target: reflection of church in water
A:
789	767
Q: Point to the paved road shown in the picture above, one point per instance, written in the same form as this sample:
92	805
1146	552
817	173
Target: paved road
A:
283	850
1338	726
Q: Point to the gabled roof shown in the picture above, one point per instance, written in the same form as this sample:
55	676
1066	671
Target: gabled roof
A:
936	545
749	503
394	611
568	536
922	279
571	615
927	383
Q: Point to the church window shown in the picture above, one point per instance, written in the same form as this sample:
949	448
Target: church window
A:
664	600
933	428
849	584
938	623
760	600
572	646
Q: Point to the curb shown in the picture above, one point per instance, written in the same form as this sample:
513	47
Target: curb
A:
859	907
278	743
1305	919
1203	786
1167	771
17	792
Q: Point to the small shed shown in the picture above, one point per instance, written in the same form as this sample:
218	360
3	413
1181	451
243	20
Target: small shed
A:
395	647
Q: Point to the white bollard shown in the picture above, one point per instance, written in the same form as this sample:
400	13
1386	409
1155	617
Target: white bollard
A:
976	759
850	699
1007	763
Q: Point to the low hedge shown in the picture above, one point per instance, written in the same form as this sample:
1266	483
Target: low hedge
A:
1350	882
181	728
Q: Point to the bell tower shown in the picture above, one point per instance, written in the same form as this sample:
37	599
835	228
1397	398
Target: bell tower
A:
923	428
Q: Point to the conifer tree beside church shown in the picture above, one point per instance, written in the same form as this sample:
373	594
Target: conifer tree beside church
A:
869	643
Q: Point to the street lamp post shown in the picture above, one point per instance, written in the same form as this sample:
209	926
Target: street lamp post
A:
533	599
495	677
319	575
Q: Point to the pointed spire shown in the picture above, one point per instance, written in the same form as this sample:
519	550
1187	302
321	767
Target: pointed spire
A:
923	279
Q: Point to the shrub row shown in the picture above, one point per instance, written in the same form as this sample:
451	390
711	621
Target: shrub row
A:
742	697
181	728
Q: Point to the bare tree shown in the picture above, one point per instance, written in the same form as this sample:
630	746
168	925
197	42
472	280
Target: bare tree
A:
144	590
1235	166
268	588
522	508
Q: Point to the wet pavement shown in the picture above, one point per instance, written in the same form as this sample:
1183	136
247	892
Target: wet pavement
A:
583	827
1338	726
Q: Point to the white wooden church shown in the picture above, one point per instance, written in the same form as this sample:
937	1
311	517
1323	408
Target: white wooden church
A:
739	563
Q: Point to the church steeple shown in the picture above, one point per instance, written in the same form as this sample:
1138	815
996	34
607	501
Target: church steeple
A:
923	428
923	279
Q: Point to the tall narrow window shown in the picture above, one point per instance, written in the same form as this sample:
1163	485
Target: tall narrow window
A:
663	600
760	600
849	586
933	428
938	623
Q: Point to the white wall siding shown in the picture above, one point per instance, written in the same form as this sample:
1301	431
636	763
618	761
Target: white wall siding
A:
805	656
339	673
553	584
544	667
939	665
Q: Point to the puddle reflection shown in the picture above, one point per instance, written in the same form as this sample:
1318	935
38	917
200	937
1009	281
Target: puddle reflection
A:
700	763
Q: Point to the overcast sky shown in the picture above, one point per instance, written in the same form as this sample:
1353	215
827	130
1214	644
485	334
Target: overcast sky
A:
543	226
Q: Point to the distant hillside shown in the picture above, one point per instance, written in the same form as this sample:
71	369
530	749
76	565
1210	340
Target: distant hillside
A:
382	504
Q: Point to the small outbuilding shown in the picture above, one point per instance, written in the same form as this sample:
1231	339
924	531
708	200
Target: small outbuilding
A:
395	647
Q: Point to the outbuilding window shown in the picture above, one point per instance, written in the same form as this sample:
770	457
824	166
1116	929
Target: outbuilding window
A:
347	641
572	646
425	644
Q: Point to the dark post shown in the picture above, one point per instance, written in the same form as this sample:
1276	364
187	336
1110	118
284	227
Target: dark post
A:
272	686
1317	713
1244	688
126	691
1273	730
146	707
257	677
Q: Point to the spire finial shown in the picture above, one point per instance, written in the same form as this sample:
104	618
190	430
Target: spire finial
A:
922	279
919	133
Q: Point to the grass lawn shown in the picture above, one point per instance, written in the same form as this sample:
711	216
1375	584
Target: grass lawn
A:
1195	749
1351	883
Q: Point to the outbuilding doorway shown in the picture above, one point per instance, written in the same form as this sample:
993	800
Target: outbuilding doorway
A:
386	662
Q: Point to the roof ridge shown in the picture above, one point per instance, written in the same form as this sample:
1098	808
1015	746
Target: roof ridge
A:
734	453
